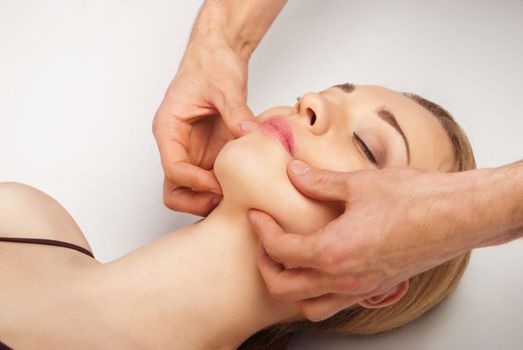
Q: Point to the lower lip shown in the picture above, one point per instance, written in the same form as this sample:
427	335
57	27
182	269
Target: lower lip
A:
273	127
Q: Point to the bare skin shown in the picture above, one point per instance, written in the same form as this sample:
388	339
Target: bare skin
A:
197	287
205	104
368	272
455	212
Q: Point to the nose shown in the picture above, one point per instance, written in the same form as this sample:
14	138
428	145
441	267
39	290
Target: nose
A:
316	112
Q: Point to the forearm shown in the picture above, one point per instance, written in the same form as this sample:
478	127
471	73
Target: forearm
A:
488	206
240	23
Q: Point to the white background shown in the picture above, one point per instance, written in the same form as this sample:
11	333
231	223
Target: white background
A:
80	82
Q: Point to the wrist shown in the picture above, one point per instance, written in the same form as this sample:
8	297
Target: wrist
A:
440	213
471	205
484	206
220	40
239	24
218	27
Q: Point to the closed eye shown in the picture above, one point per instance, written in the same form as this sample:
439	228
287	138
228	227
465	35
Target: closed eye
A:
365	149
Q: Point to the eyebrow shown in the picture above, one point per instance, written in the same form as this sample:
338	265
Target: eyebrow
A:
346	87
383	113
389	117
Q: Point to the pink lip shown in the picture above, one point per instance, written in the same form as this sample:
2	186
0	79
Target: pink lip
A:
278	128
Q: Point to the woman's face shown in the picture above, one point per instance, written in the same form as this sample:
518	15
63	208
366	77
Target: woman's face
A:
329	130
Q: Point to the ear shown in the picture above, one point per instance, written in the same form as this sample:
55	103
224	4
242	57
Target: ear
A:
387	298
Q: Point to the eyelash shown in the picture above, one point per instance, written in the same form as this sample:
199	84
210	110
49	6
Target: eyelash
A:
366	149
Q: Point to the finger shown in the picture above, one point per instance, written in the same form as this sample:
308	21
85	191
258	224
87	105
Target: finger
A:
321	184
294	250
325	306
234	113
188	201
189	175
293	284
298	284
176	164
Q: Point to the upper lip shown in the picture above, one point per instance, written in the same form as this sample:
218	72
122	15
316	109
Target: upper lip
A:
278	127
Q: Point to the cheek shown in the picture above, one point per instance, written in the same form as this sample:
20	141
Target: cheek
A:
332	154
252	171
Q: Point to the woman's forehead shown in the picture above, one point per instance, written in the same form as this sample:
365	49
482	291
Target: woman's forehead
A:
375	94
429	144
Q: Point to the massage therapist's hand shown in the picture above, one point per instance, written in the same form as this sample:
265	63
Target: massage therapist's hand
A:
398	222
202	110
205	104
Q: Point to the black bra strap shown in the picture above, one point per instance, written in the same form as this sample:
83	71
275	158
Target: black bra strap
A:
4	346
47	242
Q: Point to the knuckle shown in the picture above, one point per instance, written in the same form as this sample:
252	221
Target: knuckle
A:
329	257
170	202
331	179
322	179
158	121
354	261
326	261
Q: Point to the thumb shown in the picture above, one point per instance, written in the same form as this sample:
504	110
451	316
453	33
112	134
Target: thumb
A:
319	183
235	113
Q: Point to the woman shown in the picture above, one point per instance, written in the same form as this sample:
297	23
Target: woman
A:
199	287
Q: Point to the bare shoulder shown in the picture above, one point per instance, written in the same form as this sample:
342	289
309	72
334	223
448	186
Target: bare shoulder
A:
28	212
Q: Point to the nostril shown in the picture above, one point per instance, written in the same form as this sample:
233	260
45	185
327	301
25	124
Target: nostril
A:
313	116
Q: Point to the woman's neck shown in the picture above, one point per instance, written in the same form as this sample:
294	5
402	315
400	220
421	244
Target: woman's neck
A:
195	288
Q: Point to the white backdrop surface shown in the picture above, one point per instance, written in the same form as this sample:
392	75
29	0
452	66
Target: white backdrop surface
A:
80	82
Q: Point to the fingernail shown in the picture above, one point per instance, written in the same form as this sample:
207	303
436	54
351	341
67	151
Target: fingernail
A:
248	126
299	167
217	191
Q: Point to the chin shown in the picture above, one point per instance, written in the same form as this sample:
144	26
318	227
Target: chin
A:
252	171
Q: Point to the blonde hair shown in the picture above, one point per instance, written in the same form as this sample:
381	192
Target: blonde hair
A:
426	290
